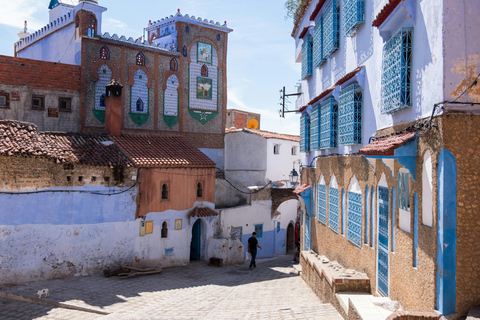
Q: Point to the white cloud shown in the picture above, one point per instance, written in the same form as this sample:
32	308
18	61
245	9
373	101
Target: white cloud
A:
14	13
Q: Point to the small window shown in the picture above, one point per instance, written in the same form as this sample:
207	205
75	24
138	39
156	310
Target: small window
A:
204	71
173	64
164	229
276	149
4	100
102	100
104	53
139	105
259	230
164	191
140	60
80	178
294	151
199	190
65	104
38	102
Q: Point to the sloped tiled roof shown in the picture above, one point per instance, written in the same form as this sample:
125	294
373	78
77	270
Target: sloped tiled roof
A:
202	212
386	146
162	151
21	139
385	12
266	134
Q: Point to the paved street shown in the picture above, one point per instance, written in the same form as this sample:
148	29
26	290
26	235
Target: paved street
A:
197	291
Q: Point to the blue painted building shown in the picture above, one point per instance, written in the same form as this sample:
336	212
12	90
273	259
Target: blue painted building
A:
389	113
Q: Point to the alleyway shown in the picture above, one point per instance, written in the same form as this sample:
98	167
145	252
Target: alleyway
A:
197	291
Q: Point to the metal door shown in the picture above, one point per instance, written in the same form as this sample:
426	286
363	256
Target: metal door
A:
195	252
382	243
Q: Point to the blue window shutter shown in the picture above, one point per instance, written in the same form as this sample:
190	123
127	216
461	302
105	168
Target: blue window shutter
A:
322	203
329	124
307	58
305	133
315	128
333	209
331	29
353	16
354	218
350	116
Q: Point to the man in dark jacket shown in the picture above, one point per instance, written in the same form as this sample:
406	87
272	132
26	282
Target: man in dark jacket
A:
252	248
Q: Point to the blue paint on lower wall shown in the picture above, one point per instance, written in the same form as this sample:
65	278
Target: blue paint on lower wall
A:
270	243
446	233
68	208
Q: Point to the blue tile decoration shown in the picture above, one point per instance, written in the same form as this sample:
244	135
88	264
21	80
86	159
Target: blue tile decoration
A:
333	209
305	133
307	58
318	59
354	218
203	90
322	203
331	29
139	91
353	16
396	72
350	116
104	77
383	240
170	101
403	191
315	128
329	124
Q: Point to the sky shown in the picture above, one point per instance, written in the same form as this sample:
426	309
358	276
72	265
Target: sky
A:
260	58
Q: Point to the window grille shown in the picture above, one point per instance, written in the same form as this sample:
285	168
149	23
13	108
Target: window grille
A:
305	133
329	124
318	59
354	218
403	192
331	30
333	209
396	72
353	16
322	203
350	115
315	128
306	58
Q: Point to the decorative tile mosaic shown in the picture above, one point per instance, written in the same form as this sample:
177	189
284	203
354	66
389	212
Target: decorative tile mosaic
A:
170	101
203	91
396	72
204	52
104	77
139	93
354	218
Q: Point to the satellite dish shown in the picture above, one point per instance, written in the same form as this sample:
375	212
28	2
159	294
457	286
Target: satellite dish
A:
253	124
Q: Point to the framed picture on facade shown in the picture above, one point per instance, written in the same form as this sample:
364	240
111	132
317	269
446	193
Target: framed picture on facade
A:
178	224
204	52
204	88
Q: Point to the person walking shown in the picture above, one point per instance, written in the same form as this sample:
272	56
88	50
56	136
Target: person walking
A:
252	248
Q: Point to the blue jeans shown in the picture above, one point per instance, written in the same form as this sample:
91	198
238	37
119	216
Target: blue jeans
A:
254	254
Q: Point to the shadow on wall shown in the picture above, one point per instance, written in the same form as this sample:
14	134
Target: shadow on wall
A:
226	196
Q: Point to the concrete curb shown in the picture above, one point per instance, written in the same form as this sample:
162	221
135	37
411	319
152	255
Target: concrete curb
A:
18	297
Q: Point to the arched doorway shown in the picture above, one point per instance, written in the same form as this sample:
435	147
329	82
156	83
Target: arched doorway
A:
195	246
290	237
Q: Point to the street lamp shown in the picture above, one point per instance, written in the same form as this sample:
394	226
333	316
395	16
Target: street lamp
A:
293	176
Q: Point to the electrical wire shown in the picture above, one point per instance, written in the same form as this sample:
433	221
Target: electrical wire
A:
234	187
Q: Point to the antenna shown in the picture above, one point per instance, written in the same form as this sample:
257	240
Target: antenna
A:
283	95
253	124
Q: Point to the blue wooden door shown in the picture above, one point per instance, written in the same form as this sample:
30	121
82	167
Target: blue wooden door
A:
195	252
382	244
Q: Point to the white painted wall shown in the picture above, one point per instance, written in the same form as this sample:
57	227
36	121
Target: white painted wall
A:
280	165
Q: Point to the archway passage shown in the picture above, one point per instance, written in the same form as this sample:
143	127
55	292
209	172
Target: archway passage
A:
290	237
195	246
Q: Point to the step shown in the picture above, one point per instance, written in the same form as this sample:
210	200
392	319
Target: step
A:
367	306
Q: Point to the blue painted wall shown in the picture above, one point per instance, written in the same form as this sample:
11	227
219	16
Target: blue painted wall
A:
68	208
446	232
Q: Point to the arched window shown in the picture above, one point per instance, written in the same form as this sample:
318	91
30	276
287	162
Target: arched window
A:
173	64
140	60
139	105
204	71
164	229
199	190
104	53
164	191
92	26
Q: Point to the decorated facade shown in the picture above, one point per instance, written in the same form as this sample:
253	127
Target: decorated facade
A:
389	112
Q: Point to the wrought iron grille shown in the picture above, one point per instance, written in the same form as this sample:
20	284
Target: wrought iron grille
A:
396	72
315	128
350	116
306	58
328	124
331	29
353	16
354	218
383	240
403	192
333	209
318	59
322	203
305	133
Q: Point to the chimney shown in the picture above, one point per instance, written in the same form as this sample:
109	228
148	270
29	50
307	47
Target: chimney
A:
113	108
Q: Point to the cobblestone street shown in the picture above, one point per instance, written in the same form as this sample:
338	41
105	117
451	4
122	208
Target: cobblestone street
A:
197	291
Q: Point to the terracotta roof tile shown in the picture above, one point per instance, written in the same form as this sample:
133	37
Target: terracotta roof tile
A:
317	9
162	151
22	139
266	134
202	212
303	33
386	146
385	12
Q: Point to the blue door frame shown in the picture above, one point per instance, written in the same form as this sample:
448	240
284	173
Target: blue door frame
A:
195	246
307	199
382	248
